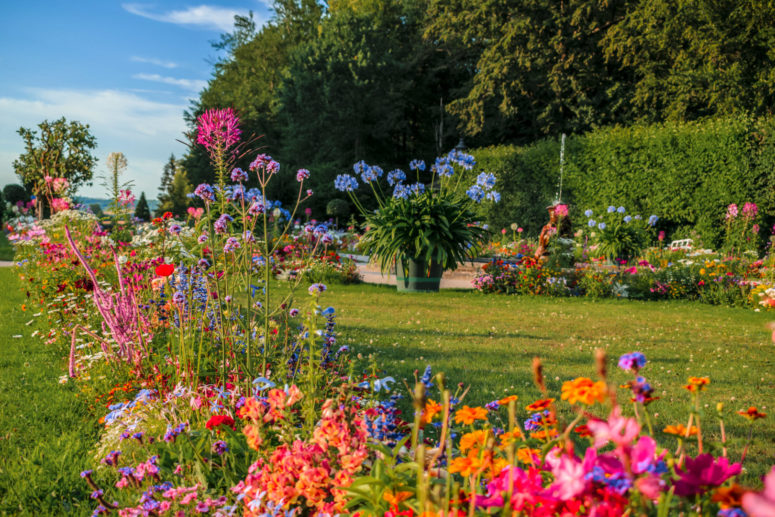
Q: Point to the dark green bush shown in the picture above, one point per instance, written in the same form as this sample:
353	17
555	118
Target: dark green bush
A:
686	173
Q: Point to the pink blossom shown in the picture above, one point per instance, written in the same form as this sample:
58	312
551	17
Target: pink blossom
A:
618	429
561	210
703	472
58	204
568	474
750	210
762	504
731	211
196	213
126	198
218	128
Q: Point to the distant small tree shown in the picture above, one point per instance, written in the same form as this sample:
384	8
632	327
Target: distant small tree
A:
337	208
60	150
176	200
14	193
96	209
142	211
167	174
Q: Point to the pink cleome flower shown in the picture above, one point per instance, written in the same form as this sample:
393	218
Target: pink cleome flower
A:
218	128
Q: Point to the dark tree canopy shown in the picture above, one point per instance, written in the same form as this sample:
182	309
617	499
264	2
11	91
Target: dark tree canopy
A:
142	211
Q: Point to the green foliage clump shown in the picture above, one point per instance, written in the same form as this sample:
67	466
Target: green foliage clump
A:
686	173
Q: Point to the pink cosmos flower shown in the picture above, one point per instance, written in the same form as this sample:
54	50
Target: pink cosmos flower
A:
618	429
218	128
761	504
568	474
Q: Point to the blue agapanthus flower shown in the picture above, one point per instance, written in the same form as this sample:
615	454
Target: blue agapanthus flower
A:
588	213
653	220
591	223
601	226
466	161
417	188
486	180
621	210
396	176
493	196
401	191
627	219
417	165
345	183
476	193
611	209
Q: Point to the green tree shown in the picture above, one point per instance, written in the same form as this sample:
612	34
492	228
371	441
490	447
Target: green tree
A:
167	174
142	211
59	150
337	208
694	58
535	68
177	201
14	193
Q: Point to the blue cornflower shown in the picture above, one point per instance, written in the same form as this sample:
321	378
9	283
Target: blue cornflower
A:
220	447
175	229
426	378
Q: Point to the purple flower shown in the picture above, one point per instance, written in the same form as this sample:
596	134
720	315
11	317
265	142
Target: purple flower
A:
178	298
238	174
202	238
205	192
221	224
220	447
293	313
175	229
231	245
261	161
248	237
301	175
256	208
316	288
633	361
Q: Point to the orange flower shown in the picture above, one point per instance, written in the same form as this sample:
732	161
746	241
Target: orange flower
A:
539	405
394	498
680	430
528	456
466	465
542	434
510	437
583	390
505	401
431	409
473	440
697	384
752	414
583	431
729	497
467	415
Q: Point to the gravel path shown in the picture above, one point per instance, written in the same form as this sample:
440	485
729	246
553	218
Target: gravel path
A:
370	276
5	263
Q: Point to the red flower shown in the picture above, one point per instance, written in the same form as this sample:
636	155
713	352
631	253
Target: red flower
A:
165	269
217	421
167	215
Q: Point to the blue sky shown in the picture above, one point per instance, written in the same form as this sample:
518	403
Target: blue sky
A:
128	69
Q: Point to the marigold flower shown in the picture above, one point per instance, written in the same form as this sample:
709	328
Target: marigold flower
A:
505	401
583	390
543	434
394	498
467	415
528	456
510	437
680	430
539	405
697	384
466	465
752	414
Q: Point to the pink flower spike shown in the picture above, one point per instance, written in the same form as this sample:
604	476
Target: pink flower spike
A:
218	128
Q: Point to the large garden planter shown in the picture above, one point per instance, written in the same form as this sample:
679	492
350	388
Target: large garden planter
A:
418	277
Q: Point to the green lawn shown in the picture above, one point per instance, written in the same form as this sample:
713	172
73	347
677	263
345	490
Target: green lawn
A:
45	430
488	341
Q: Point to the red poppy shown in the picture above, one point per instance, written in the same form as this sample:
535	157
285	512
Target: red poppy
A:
217	421
165	269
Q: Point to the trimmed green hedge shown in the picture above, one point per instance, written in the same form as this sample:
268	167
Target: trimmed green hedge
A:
686	173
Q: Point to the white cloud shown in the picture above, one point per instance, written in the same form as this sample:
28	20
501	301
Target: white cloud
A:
203	16
145	131
154	61
189	84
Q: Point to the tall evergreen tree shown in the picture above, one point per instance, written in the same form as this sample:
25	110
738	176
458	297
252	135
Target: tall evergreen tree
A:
166	176
142	211
177	200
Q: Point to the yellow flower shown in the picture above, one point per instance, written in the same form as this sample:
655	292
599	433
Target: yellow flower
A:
528	456
431	409
697	384
473	440
583	390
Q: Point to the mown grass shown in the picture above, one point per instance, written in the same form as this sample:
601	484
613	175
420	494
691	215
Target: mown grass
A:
45	430
488	342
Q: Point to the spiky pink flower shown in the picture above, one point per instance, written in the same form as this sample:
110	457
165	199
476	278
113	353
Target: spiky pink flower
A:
218	128
750	210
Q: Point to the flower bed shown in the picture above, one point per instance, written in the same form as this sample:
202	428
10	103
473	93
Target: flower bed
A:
218	391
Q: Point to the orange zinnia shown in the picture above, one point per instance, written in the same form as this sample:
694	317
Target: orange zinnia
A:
583	390
431	409
539	405
510	437
467	465
393	498
467	415
528	456
697	384
752	414
680	430
473	440
505	401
